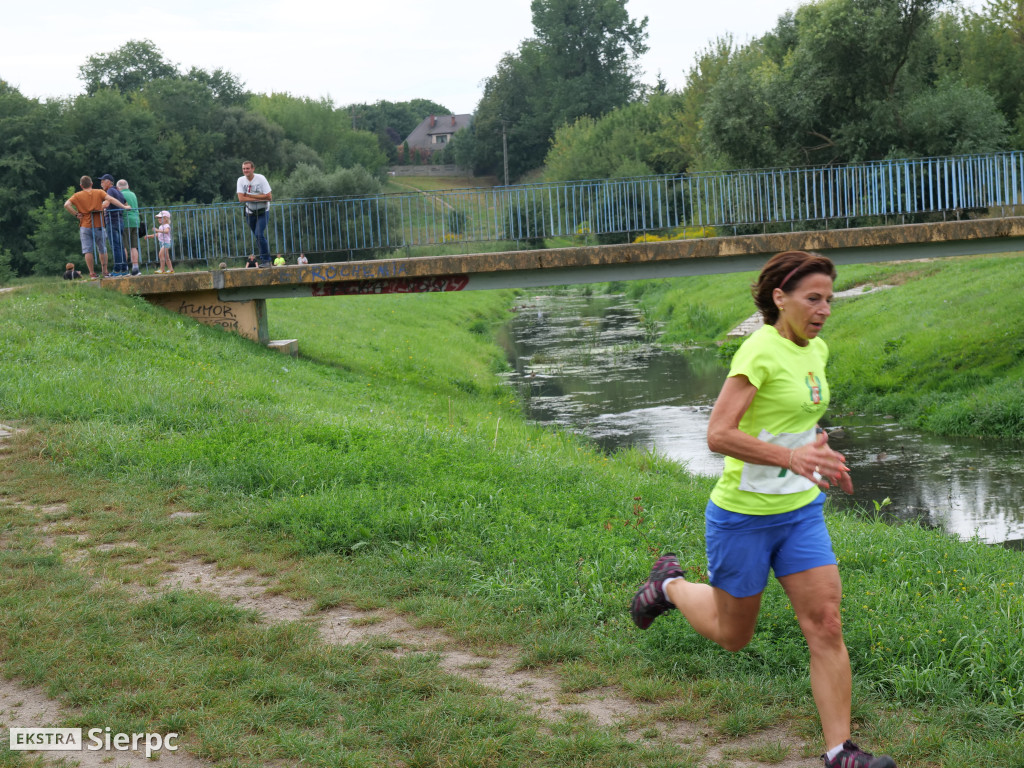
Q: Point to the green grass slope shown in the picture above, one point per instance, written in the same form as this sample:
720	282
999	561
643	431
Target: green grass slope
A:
942	351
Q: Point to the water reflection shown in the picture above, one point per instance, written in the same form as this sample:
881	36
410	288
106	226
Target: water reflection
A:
586	363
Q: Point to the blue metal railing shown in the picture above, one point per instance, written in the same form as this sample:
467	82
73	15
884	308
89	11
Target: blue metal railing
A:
677	205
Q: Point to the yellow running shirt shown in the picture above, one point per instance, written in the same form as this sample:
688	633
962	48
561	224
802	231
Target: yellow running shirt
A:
792	395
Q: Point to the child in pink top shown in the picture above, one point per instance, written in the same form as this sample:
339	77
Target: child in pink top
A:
163	237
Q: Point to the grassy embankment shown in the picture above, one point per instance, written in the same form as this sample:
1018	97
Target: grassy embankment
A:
388	468
944	352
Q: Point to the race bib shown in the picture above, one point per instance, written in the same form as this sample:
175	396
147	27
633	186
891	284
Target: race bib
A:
777	481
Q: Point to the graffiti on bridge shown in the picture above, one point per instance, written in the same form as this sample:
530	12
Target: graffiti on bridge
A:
398	285
359	270
218	314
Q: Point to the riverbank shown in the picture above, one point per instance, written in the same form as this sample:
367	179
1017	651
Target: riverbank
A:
944	352
388	474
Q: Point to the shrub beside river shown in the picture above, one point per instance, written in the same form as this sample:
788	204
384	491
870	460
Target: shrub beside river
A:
388	468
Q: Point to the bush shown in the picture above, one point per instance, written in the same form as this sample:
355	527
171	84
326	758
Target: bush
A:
524	219
365	226
6	273
54	238
307	180
456	222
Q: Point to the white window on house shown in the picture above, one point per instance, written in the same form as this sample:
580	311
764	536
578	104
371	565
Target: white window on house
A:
440	138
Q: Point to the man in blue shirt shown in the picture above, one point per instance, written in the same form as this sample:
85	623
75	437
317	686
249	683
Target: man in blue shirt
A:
112	214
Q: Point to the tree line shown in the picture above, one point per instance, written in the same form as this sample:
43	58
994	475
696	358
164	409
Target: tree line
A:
834	81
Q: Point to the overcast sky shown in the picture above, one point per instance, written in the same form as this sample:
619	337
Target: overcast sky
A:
352	52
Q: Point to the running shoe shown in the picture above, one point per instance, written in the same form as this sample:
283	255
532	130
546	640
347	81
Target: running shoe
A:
852	756
650	602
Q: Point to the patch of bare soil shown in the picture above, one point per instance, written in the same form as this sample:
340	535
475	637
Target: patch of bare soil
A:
539	691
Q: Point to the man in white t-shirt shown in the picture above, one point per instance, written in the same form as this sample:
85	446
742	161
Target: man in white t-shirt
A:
254	190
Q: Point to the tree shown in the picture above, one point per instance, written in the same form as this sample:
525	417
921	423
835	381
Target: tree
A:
858	58
54	236
590	48
459	150
742	125
954	119
316	124
581	61
986	50
843	81
629	141
110	133
225	87
6	273
33	156
512	113
682	145
127	69
248	135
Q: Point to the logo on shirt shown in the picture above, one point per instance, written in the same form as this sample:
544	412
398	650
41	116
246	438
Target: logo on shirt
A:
814	386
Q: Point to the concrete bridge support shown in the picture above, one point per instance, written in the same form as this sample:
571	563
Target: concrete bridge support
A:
247	318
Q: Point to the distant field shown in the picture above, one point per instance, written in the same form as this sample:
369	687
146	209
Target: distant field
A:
437	183
443	211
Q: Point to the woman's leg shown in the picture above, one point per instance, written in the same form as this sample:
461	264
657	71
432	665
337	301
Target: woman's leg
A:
714	613
815	595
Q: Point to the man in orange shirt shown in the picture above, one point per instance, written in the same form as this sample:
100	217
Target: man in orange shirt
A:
87	206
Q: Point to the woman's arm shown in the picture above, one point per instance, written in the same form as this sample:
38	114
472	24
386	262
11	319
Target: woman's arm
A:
725	437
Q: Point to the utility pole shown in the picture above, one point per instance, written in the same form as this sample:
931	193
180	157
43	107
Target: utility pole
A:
504	149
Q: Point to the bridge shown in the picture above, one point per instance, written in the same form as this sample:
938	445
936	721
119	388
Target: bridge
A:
235	299
618	210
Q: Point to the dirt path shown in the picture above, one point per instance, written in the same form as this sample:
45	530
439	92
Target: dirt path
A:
538	691
435	199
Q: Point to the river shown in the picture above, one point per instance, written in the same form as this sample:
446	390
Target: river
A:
589	364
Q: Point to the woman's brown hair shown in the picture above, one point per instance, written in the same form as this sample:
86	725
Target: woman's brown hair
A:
785	270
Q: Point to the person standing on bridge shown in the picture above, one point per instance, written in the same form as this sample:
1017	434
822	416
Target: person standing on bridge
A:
766	511
130	231
87	205
115	223
254	190
165	241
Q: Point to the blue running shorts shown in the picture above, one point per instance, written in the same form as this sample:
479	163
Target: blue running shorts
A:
742	548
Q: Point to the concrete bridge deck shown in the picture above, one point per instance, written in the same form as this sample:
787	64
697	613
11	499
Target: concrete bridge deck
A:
235	299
